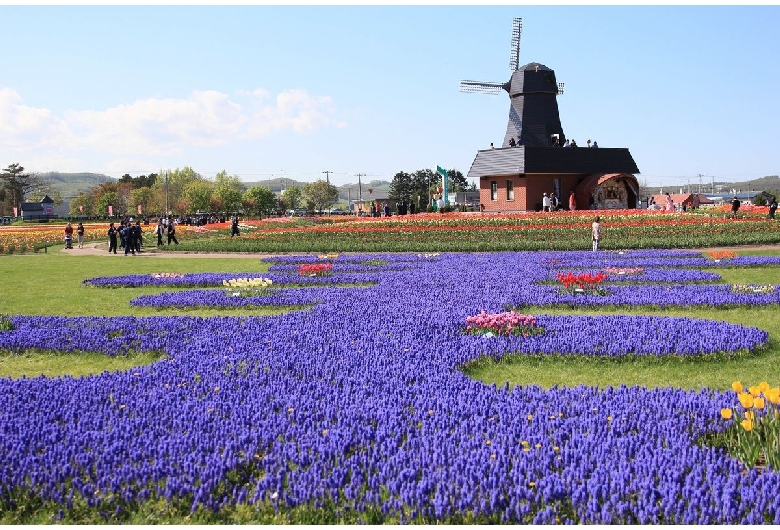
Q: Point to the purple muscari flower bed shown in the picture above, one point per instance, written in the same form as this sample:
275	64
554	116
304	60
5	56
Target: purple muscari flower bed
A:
211	279
360	400
652	275
657	295
224	298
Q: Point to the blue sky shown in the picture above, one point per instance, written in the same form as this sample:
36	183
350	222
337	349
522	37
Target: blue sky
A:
263	91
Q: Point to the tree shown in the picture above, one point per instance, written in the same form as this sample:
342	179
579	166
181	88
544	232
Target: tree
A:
171	183
459	182
423	183
401	188
148	198
259	200
81	205
320	194
198	195
292	197
142	181
228	190
17	183
110	198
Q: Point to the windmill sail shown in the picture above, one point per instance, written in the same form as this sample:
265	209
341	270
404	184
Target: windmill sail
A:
514	54
482	87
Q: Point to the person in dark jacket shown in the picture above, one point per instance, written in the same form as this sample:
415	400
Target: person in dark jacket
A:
112	233
172	232
735	204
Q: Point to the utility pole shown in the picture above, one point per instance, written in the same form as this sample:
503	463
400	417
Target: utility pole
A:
360	186
327	176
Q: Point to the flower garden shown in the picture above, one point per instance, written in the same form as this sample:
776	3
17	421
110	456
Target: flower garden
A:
451	232
354	405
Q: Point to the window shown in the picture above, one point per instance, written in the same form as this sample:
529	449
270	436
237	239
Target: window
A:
493	190
510	190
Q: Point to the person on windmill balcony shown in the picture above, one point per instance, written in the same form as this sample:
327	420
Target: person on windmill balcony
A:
566	144
512	142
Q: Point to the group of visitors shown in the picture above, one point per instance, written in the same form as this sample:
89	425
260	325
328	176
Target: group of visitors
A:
573	143
551	202
129	235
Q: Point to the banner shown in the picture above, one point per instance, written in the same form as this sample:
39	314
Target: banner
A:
15	211
81	209
139	209
110	210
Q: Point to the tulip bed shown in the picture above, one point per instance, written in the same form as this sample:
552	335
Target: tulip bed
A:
621	229
355	409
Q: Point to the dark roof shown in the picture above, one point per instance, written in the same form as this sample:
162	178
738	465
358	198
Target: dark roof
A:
535	67
31	207
525	159
47	199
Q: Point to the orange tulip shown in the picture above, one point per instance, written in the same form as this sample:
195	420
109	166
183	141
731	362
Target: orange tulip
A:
725	414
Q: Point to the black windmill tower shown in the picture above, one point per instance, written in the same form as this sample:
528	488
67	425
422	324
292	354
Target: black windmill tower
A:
533	92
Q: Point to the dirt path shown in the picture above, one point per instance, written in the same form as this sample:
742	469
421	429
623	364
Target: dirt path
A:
101	249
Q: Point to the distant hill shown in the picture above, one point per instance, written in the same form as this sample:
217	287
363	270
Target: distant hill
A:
70	185
770	183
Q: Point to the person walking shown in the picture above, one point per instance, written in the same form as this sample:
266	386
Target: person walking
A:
160	230
596	233
139	238
172	232
129	239
80	234
234	226
772	209
69	236
112	233
735	204
572	202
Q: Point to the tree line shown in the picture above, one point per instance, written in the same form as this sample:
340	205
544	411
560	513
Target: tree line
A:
183	191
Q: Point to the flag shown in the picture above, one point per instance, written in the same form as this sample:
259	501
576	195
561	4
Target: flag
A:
15	211
139	209
110	210
81	208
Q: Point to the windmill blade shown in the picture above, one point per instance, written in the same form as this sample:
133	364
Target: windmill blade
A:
481	87
514	55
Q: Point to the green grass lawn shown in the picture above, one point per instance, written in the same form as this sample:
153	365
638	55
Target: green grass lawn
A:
51	284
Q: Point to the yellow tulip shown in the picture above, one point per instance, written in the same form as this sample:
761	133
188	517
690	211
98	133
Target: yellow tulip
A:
745	399
758	403
749	415
736	386
773	395
764	386
755	391
725	414
747	425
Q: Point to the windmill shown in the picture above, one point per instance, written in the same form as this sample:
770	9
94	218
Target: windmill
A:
533	110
